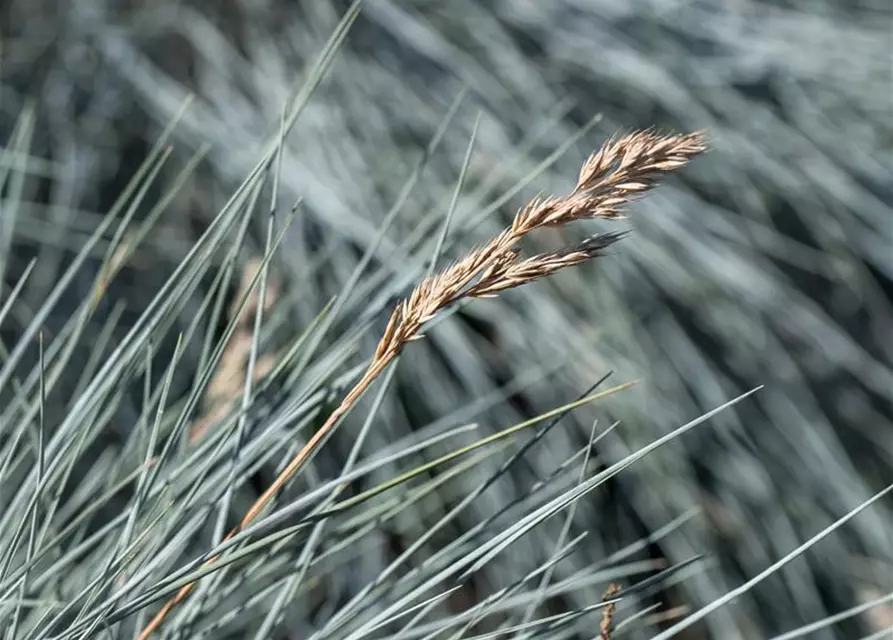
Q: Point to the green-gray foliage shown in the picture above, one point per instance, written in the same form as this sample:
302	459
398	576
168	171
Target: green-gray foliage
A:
331	144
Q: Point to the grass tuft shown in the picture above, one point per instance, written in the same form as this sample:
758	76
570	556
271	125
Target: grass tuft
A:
222	225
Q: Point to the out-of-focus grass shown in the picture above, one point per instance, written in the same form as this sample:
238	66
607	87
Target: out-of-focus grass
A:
765	264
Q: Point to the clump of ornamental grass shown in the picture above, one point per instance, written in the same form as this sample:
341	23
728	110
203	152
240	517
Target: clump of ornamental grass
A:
128	527
143	410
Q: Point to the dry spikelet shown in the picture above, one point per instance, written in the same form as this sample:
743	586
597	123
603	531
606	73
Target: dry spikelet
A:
621	170
607	622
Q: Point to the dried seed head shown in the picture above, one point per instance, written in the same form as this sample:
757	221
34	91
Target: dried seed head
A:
612	177
622	169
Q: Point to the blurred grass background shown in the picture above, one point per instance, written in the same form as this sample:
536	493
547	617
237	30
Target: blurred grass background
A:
766	262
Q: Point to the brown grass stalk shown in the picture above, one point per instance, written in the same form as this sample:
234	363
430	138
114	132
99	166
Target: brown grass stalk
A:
622	170
607	622
228	383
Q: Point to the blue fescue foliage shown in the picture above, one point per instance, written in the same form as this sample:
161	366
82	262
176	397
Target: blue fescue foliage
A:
164	162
